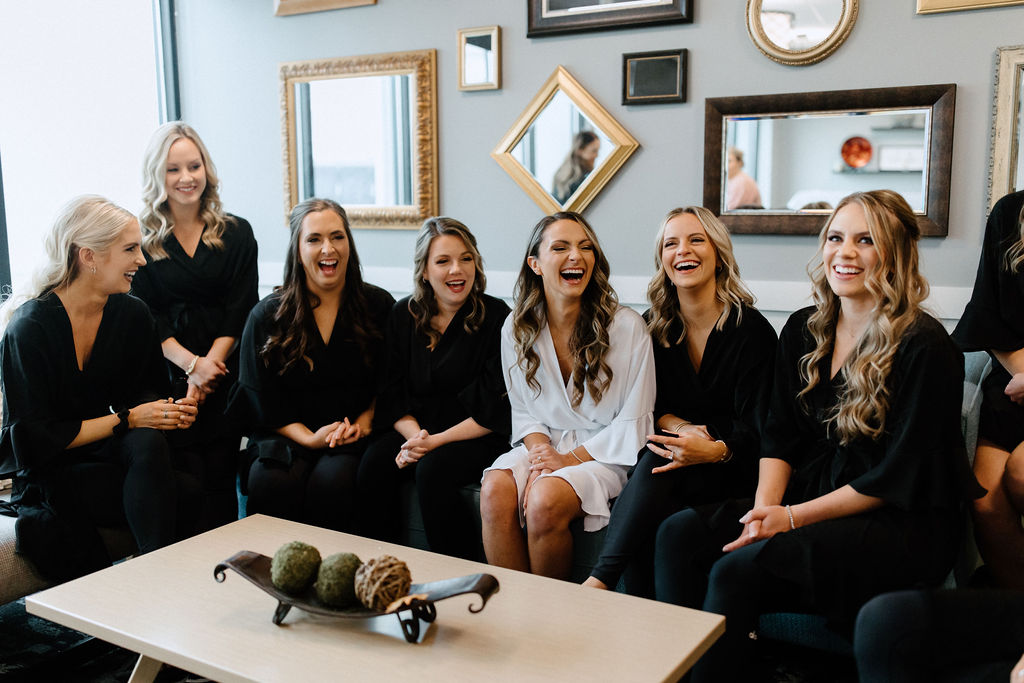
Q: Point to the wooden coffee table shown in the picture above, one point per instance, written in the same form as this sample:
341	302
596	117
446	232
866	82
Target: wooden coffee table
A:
167	606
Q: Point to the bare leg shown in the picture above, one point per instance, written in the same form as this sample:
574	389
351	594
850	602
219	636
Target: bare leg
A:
553	504
997	523
504	543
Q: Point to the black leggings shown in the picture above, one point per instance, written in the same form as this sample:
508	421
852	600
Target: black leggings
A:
440	474
317	487
644	503
949	635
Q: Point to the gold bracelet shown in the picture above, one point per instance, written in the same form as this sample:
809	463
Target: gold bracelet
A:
728	452
192	365
572	452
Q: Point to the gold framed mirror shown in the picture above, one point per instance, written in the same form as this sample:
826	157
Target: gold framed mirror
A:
1006	167
480	58
564	147
363	131
800	32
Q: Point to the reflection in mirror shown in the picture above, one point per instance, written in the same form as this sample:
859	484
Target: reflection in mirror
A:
564	147
480	58
367	161
1006	169
800	32
778	163
362	131
838	153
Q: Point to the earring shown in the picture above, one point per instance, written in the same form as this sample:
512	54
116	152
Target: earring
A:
93	269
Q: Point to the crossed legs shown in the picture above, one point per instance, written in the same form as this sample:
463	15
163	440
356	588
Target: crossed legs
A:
997	515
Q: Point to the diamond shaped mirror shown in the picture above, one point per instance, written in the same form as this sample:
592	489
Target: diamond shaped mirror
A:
565	147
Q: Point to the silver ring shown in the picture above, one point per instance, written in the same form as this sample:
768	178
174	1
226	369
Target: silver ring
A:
165	414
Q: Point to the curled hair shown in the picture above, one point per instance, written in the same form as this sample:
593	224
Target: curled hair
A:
729	288
155	219
291	327
1015	254
423	302
898	289
588	344
571	170
86	222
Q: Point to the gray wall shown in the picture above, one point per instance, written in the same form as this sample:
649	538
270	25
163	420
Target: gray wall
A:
230	49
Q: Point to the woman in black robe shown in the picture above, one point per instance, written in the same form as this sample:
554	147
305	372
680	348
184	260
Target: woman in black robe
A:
713	357
443	406
994	322
863	472
310	360
84	399
200	283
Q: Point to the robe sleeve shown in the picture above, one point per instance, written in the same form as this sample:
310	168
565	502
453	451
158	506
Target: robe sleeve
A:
755	357
151	381
485	398
521	396
243	279
145	287
924	463
619	442
783	437
984	324
394	400
256	400
32	436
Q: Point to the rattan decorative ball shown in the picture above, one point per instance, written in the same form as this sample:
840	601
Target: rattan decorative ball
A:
294	567
381	581
335	582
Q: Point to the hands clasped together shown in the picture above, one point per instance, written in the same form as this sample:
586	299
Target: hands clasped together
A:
1015	388
761	523
205	377
690	445
337	434
165	414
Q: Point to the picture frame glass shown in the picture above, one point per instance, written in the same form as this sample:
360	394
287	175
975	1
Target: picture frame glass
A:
551	9
653	77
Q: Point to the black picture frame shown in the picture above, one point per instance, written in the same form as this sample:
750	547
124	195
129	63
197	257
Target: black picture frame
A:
654	77
542	20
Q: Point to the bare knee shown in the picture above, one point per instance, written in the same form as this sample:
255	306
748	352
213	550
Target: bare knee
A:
1013	475
499	499
552	505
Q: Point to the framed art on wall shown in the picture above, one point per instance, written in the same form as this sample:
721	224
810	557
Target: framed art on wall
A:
286	7
931	6
654	77
480	58
551	17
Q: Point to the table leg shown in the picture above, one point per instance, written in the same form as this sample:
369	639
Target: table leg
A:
145	670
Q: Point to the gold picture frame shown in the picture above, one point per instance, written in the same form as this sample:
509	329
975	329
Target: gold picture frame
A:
933	6
421	67
812	55
491	35
624	144
286	7
1007	131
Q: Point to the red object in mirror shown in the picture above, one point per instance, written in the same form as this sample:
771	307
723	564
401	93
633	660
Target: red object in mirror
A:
856	152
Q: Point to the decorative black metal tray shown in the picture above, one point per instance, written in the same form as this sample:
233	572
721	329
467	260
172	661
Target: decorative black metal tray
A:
417	606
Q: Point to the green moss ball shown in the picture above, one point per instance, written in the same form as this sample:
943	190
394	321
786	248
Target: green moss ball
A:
294	567
336	581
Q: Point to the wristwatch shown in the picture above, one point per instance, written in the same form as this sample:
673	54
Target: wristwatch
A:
122	427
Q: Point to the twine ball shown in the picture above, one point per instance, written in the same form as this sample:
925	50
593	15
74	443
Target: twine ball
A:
381	581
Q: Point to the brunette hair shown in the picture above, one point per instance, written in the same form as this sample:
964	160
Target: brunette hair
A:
571	169
423	303
729	288
155	219
898	289
291	326
1015	254
589	341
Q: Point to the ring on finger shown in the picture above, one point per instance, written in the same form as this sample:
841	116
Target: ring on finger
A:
165	414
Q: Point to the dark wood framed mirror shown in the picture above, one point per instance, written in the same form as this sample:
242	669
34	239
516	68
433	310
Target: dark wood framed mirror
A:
805	151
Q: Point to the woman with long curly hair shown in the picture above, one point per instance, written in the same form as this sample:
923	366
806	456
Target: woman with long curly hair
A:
443	404
994	322
200	282
863	473
713	355
577	165
311	354
86	407
580	377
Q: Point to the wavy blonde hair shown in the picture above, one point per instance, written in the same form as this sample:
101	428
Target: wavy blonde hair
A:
589	341
898	289
1015	254
729	287
155	219
86	222
423	303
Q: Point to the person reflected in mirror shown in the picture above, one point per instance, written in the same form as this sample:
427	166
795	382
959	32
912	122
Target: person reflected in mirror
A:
863	477
200	283
86	407
816	206
577	165
310	359
994	322
741	191
713	355
579	370
443	408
